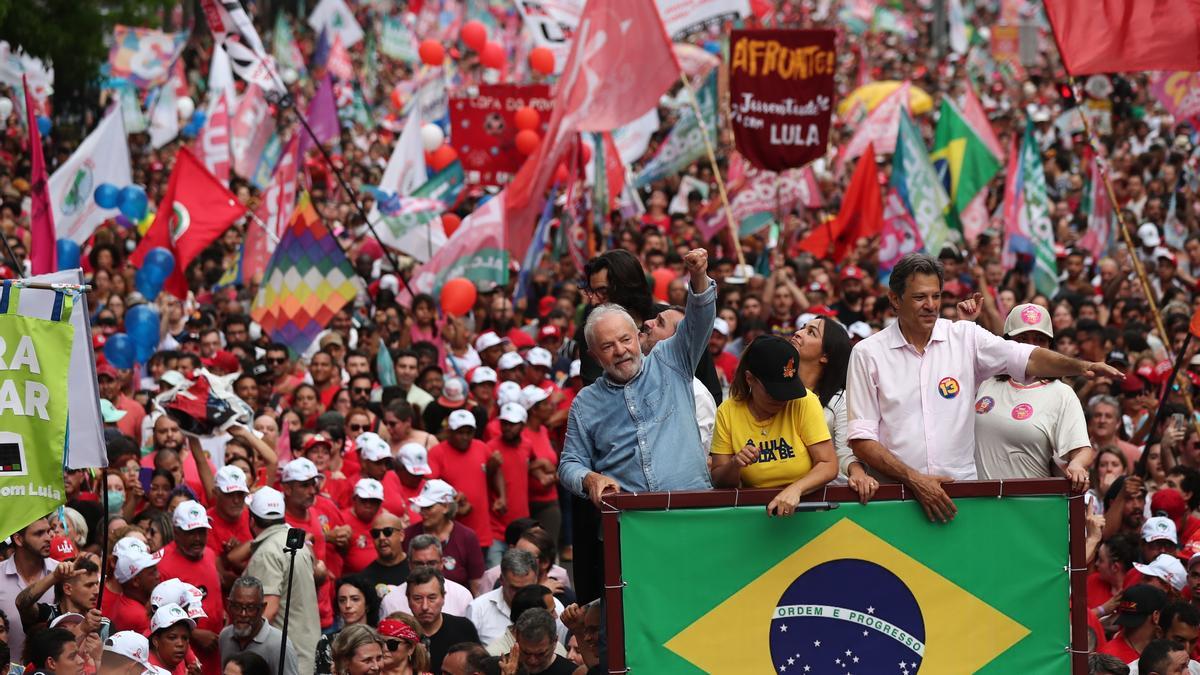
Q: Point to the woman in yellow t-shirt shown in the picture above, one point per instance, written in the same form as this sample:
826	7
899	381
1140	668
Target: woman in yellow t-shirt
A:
771	432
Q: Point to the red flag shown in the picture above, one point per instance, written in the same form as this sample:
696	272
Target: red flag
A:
621	61
339	60
213	143
274	211
195	210
1106	36
861	214
43	254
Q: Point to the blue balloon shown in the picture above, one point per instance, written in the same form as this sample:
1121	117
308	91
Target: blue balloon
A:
120	351
133	202
143	352
44	125
68	254
712	47
161	260
148	283
107	195
142	324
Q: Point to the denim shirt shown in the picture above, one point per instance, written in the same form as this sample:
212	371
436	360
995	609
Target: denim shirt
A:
643	433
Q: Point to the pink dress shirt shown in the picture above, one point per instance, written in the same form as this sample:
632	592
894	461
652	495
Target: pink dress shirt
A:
922	406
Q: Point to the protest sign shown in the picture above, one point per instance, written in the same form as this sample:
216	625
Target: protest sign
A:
781	95
483	128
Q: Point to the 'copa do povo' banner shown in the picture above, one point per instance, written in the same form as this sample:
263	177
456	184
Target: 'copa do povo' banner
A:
781	85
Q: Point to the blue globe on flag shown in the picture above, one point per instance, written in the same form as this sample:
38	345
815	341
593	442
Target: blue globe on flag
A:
822	624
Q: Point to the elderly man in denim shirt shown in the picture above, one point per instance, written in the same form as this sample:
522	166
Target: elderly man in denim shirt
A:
635	428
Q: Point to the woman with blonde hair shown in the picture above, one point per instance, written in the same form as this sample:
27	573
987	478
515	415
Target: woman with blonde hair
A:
357	650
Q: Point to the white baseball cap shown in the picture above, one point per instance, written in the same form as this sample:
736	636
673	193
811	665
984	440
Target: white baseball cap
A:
415	457
129	544
859	329
487	341
1027	317
169	615
508	392
298	471
190	515
461	418
514	413
130	644
433	492
510	360
133	563
1159	528
483	374
1148	233
573	371
540	357
368	488
68	619
372	447
231	479
179	592
532	395
267	503
721	326
1166	567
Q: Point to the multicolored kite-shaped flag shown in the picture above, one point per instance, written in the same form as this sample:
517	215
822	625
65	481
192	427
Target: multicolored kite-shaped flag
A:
307	281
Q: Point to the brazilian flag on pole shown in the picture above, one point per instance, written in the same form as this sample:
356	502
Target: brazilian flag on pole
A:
963	161
859	589
33	409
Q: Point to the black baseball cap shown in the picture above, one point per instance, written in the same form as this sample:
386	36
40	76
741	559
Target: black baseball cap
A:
776	363
1138	603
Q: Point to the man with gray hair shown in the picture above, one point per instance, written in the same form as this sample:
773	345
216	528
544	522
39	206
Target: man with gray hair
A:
536	635
1104	420
491	612
911	387
248	631
425	551
635	428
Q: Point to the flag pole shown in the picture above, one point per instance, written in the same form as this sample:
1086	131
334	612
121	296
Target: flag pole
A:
712	160
1147	289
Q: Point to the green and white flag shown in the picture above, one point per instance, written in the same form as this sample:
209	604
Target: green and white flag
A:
1035	212
33	409
396	40
915	179
685	143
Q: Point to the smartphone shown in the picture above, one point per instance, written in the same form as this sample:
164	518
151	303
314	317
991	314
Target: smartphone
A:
1179	420
144	476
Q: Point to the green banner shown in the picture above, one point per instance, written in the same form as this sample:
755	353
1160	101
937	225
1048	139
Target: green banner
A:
33	414
860	589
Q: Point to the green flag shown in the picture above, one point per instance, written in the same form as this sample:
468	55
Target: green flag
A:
1036	214
963	161
915	179
685	143
862	589
33	410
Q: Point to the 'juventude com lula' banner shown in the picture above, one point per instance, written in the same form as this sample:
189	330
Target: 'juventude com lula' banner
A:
858	589
33	410
781	95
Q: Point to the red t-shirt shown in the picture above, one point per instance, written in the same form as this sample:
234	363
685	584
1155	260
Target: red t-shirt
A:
330	516
181	669
515	468
727	363
126	614
203	575
491	431
1119	648
396	495
1098	590
467	472
361	551
1097	629
542	449
351	464
223	530
313	526
338	490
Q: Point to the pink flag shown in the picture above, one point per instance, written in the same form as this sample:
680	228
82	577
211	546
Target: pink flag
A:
465	253
339	60
250	129
322	117
880	127
1016	238
43	253
972	110
621	61
273	214
900	235
1099	226
213	144
696	62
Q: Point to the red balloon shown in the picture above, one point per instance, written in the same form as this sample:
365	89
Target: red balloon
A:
458	296
587	152
561	175
662	280
492	56
450	223
474	34
527	118
432	52
527	141
397	99
541	59
443	157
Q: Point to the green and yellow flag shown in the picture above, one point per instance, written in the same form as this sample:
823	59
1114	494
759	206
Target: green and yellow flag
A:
963	161
33	409
874	589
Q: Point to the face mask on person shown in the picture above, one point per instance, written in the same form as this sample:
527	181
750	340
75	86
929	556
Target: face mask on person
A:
116	500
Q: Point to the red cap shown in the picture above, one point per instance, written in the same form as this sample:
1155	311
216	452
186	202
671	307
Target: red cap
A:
852	272
520	339
98	341
397	629
1170	501
315	440
549	331
822	310
106	369
62	548
223	361
955	288
546	304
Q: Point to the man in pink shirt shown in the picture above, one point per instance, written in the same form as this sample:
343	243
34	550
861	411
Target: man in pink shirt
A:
911	387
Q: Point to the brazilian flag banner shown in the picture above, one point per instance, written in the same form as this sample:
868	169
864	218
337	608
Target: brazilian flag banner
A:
853	589
33	409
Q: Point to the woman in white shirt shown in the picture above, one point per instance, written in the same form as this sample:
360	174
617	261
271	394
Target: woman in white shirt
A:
824	348
1033	430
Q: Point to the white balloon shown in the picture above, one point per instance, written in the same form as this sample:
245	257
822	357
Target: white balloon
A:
186	107
432	137
290	76
6	107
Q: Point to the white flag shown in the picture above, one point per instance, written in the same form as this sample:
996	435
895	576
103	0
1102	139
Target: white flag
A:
405	171
220	79
232	28
103	157
164	118
958	27
335	16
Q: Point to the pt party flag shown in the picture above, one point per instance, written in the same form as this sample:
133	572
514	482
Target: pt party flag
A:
103	157
307	281
1121	36
861	214
195	210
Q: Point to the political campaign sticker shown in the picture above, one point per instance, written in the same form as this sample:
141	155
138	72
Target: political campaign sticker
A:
1022	412
948	387
1031	315
984	405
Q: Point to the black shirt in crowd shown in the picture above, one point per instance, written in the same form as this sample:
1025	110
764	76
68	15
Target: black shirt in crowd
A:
455	629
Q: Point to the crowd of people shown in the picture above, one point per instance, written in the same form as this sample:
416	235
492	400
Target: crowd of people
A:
446	471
